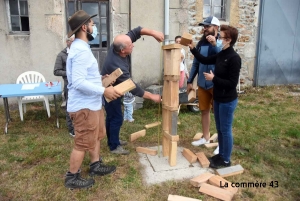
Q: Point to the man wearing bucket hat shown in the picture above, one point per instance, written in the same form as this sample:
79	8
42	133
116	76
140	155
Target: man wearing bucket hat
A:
207	46
85	102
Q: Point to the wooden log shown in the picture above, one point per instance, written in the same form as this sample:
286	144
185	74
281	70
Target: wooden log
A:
112	77
216	192
144	150
152	124
198	136
230	171
189	155
203	178
137	135
180	198
202	159
123	87
211	145
213	138
186	39
222	183
173	153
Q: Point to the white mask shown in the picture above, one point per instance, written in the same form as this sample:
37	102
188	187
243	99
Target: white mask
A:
220	43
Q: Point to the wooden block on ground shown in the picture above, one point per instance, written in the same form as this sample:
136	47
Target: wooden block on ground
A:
137	135
172	153
202	159
178	122
152	125
222	183
144	150
186	39
123	87
189	155
180	198
216	192
211	145
198	136
203	178
112	77
229	171
213	138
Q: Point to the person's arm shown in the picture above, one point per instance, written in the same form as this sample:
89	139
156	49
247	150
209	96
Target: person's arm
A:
235	64
58	67
202	59
159	36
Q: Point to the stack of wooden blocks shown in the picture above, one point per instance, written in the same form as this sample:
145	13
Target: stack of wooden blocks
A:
170	100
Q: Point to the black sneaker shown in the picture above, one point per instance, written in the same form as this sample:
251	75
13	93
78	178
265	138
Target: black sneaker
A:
99	169
72	134
219	163
214	158
73	181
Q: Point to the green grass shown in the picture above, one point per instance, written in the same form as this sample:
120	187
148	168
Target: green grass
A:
34	155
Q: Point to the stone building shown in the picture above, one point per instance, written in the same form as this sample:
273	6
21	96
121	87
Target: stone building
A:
32	32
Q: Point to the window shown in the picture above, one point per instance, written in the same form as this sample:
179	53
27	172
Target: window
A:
18	15
214	8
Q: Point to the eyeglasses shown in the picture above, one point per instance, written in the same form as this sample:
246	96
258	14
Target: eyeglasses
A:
206	26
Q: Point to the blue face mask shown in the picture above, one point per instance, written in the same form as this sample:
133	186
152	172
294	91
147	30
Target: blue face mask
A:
93	35
220	43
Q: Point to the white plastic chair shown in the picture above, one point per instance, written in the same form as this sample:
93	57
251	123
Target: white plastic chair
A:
27	78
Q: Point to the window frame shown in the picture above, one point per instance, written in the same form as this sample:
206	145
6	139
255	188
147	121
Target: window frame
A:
223	9
19	15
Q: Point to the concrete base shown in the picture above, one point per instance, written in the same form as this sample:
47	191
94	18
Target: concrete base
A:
156	169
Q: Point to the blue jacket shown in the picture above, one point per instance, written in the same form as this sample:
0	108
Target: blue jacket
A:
205	49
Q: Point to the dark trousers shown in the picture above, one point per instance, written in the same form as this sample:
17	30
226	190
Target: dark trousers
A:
68	119
114	120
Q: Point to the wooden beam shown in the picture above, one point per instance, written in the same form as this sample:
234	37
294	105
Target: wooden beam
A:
203	178
152	124
189	155
186	39
216	192
173	153
175	108
172	46
165	146
172	77
198	136
112	77
222	183
202	159
180	198
211	145
230	171
144	150
173	138
193	93
123	87
137	135
213	138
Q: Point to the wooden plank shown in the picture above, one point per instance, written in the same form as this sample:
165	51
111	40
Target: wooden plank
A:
180	198
165	146
222	183
202	159
137	135
175	108
123	87
172	46
213	138
152	124
198	136
172	59
211	145
112	77
186	39
216	192
174	138
230	171
203	178
145	150
193	93
172	153
166	119
172	77
189	155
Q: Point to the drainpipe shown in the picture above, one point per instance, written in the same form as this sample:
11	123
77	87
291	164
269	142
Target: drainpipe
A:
167	9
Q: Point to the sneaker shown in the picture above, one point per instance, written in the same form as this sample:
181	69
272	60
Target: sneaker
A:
99	169
131	120
120	150
200	142
73	181
123	142
218	163
214	158
72	134
216	151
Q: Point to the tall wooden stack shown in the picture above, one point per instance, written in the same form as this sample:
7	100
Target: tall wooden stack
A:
170	100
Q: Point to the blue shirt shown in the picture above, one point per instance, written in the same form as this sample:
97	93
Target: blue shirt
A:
85	85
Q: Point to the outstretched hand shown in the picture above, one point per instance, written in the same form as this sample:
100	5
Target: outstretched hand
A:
159	36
